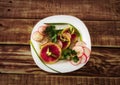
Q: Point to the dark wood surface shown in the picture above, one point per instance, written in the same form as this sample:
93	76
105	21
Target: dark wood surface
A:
17	19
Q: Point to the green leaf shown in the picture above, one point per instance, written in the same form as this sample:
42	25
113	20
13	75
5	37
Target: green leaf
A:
73	52
66	24
52	32
68	53
75	59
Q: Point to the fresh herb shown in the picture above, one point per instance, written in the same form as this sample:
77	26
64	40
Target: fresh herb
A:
73	52
68	54
71	27
52	32
75	59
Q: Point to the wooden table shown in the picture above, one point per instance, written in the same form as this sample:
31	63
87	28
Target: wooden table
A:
17	18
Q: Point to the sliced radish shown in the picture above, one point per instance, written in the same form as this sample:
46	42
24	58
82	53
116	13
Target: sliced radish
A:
80	43
79	50
42	29
37	36
44	41
86	51
76	63
83	58
60	43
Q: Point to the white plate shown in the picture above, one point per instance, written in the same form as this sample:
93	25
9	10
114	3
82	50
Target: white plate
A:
61	66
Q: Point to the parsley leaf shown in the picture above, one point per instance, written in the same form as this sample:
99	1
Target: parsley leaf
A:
75	59
52	32
68	54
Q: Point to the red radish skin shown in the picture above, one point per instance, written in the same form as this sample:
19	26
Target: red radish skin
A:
86	50
60	43
84	59
37	36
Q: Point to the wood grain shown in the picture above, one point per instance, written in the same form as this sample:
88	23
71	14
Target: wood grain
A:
17	19
17	31
18	59
16	79
84	9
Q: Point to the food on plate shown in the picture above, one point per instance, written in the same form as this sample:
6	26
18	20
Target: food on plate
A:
50	52
61	44
78	50
65	40
37	36
42	29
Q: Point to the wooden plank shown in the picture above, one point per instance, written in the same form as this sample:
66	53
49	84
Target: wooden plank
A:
104	32
18	59
17	31
116	5
13	79
84	9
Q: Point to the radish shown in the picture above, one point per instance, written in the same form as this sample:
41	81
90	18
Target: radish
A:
83	45
79	50
76	63
37	36
86	50
80	43
84	58
44	41
42	28
60	43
